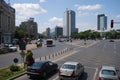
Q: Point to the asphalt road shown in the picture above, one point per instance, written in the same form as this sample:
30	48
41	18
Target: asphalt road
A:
7	59
92	57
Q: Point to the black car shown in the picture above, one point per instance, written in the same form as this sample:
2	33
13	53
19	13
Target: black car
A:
111	40
41	68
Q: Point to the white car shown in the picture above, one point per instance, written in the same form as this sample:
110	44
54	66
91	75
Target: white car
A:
11	47
71	71
108	73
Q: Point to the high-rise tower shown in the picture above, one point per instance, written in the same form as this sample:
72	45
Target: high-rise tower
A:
69	23
101	22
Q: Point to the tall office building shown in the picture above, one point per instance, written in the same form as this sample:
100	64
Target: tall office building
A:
7	22
69	23
56	32
48	32
101	22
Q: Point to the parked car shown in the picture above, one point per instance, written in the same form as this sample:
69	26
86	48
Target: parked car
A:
71	70
108	73
41	68
11	47
111	40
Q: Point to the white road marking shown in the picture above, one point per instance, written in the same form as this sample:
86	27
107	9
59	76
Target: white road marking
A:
95	75
92	44
56	78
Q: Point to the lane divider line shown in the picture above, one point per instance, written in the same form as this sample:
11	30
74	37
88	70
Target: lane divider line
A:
95	75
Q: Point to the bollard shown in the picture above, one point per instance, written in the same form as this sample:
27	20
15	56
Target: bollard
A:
61	52
49	56
40	58
45	57
53	55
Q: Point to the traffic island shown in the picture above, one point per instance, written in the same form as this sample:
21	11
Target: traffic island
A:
7	74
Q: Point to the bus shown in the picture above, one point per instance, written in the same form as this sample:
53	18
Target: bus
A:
49	42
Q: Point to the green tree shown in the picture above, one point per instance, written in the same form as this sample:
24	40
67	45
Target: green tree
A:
41	36
20	33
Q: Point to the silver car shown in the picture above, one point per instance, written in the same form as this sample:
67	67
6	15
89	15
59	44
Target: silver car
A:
71	71
108	73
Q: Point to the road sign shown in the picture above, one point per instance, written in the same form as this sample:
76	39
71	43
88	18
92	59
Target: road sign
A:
15	60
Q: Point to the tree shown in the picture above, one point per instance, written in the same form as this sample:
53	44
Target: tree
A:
20	33
41	36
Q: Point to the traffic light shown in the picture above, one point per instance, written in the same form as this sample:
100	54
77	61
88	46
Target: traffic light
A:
112	23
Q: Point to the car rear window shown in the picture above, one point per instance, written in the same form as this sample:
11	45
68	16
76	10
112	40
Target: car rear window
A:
108	72
37	65
66	66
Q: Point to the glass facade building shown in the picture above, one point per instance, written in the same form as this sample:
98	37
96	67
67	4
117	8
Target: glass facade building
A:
56	32
101	22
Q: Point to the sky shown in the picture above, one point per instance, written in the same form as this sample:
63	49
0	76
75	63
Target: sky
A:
49	13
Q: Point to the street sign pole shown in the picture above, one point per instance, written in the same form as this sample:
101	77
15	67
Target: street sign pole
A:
22	47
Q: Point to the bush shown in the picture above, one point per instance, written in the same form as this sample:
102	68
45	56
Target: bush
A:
14	68
2	52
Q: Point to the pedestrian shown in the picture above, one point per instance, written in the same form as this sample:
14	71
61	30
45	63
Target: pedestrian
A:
29	60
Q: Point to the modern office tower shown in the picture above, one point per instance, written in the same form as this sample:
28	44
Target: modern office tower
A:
101	22
30	27
7	22
56	32
69	23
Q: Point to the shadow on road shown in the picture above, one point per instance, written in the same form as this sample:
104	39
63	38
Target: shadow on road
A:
84	76
40	78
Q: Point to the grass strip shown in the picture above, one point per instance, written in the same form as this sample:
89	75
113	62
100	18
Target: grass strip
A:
6	74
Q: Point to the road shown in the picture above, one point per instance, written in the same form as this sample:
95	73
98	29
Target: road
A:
92	57
7	59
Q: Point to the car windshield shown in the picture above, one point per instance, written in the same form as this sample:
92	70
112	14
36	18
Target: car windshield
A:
67	66
36	65
109	72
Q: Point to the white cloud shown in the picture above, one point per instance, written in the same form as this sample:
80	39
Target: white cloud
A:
55	19
41	1
118	16
26	10
88	7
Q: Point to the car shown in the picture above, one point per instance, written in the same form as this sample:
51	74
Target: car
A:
41	69
108	73
61	40
11	47
71	70
111	40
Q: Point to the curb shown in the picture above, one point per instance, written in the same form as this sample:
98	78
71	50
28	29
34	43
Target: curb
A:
17	76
